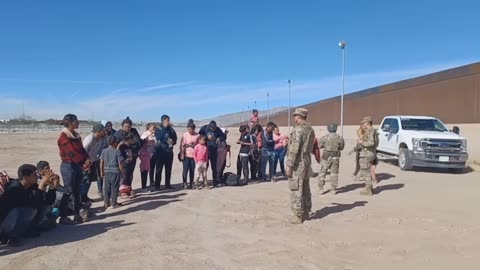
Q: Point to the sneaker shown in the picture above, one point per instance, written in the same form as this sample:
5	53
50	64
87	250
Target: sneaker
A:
185	186
208	187
116	205
83	214
67	221
78	219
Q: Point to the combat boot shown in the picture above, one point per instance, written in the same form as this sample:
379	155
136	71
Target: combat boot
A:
367	192
296	220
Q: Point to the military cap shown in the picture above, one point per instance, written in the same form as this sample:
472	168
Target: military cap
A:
366	120
301	111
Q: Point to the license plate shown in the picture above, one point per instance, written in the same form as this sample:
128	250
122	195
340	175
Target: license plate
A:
444	159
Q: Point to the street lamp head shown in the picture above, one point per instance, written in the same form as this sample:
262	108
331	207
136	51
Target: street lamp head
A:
289	81
342	44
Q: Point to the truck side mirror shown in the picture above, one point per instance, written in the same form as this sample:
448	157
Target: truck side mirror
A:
386	128
456	130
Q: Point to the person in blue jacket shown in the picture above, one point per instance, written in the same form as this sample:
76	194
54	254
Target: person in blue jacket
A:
214	136
166	139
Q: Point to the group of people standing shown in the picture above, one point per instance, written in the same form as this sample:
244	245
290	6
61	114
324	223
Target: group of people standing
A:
109	157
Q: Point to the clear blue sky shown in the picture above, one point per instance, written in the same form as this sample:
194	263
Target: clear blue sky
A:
197	59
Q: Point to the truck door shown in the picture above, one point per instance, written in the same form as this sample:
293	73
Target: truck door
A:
383	134
392	137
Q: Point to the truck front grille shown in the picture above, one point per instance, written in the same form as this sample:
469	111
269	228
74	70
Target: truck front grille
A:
441	146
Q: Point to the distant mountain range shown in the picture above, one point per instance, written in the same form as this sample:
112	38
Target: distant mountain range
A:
234	119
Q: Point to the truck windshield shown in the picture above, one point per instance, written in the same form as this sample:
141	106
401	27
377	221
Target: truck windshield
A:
423	124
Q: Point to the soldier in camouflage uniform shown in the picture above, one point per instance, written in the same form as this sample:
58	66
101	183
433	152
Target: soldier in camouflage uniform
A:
299	161
332	145
367	155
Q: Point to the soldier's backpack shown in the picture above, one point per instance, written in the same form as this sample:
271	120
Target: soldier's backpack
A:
232	179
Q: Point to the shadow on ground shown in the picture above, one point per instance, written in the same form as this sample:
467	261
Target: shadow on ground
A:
68	234
65	234
380	189
143	202
350	187
337	208
466	170
384	176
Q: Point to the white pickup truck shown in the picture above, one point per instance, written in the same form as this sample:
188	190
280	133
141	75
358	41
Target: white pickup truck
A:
421	141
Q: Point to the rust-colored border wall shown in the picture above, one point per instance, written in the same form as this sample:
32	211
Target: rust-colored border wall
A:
452	95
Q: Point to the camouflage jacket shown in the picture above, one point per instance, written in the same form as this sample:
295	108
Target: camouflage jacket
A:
300	147
332	144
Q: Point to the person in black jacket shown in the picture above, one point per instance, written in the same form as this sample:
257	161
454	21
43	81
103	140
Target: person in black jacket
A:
166	139
214	136
20	202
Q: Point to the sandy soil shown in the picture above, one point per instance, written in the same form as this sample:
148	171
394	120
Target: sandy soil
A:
417	220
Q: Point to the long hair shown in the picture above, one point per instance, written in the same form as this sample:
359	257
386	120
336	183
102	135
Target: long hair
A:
360	132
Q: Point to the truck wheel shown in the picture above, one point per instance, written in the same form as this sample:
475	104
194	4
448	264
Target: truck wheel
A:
404	161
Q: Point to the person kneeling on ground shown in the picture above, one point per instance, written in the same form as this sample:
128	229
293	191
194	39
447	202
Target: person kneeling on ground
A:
20	202
63	205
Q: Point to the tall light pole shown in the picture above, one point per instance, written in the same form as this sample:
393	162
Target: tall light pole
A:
268	107
342	46
289	103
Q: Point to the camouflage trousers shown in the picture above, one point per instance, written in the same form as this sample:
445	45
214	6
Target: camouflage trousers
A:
333	165
365	162
300	195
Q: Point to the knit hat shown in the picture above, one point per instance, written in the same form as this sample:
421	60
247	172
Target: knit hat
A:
98	127
165	117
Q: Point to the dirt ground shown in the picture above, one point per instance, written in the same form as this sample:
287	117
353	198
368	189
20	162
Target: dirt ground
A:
416	220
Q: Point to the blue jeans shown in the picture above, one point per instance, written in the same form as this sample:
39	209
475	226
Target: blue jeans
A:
93	176
72	178
280	156
17	222
268	156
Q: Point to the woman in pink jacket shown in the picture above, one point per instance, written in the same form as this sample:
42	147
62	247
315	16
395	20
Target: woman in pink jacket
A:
281	142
